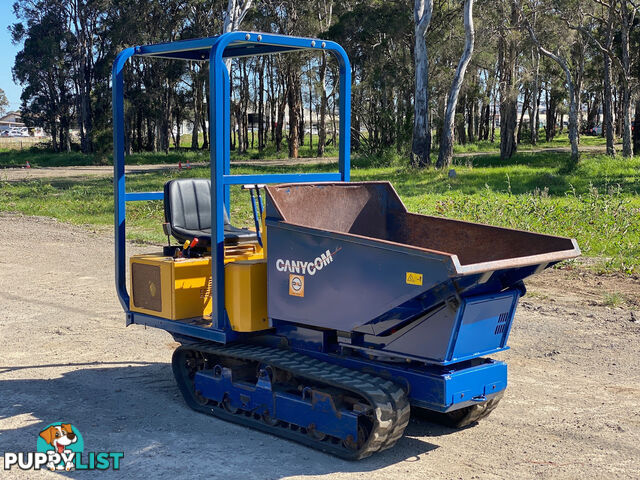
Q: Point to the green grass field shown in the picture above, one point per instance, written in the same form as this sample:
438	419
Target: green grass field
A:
41	157
598	202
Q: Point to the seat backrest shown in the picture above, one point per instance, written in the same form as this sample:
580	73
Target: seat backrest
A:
187	207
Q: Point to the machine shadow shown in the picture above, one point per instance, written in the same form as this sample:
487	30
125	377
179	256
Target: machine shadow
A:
138	410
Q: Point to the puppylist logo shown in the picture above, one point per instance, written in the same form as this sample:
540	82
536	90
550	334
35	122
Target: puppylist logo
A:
60	446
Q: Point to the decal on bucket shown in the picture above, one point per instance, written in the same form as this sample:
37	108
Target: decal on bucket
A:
296	285
414	278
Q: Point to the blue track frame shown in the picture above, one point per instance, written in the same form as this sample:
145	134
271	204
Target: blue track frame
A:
214	50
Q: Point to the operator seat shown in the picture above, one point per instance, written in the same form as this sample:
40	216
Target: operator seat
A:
187	210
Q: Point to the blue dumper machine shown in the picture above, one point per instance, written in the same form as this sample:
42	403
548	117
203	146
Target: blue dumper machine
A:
339	313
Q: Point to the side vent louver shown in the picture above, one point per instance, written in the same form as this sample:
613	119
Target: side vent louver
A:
501	327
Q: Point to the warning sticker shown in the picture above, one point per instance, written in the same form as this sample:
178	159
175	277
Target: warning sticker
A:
296	285
414	278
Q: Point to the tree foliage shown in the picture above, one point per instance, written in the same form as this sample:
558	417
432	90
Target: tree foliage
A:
512	85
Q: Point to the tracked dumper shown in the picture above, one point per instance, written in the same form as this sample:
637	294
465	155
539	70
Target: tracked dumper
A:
340	312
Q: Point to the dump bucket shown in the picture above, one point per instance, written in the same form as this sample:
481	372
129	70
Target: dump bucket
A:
349	256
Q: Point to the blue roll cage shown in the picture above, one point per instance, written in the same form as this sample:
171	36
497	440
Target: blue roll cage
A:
214	50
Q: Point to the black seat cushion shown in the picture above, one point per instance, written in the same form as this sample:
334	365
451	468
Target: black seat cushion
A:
187	209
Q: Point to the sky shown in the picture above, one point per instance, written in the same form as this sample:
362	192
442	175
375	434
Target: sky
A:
7	59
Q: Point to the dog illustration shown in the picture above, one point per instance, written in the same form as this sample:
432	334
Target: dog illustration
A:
59	437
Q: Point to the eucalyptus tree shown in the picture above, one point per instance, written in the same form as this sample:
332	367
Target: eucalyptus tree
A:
42	67
615	20
557	47
325	18
76	26
421	144
445	154
379	39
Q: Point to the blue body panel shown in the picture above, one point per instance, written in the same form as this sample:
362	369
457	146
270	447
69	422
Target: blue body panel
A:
439	389
478	326
310	408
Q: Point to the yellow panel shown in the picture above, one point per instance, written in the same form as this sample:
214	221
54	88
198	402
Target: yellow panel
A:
181	288
246	295
151	291
192	283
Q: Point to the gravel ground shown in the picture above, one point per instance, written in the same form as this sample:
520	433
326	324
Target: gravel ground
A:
572	408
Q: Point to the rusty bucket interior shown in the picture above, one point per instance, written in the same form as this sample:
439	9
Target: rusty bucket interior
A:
374	210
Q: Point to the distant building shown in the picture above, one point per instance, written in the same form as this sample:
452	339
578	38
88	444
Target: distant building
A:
11	119
14	120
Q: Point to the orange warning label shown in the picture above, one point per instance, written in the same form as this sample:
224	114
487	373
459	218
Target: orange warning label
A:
296	285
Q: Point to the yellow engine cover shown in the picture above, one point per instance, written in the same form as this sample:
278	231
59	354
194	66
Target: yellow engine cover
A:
171	288
181	288
245	295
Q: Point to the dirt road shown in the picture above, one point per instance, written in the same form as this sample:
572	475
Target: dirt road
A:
572	408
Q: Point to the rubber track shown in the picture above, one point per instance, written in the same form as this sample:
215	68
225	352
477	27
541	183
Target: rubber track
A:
478	412
389	400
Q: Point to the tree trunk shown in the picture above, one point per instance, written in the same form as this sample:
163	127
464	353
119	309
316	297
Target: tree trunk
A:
54	136
607	95
617	109
310	83
241	141
197	103
608	122
151	138
551	113
471	112
301	125
293	81
525	106
507	58
573	116
535	100
445	155
627	22
593	113
421	142
493	122
460	126
487	121
636	130
578	79
273	100
334	123
280	122
573	95
261	105
138	131
322	126
178	130
481	124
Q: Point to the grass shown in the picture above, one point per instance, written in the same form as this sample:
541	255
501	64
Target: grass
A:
269	152
561	140
614	299
38	157
598	202
41	157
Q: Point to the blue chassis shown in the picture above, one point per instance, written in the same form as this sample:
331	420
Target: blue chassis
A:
430	386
